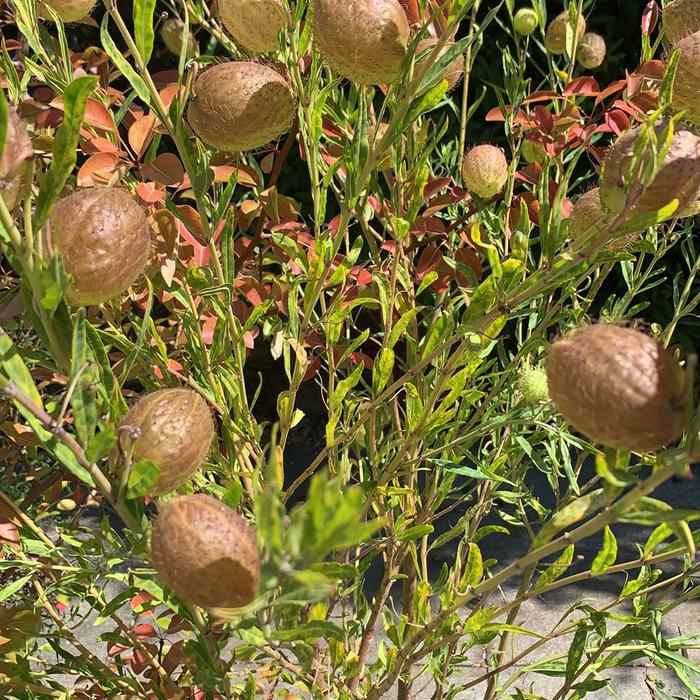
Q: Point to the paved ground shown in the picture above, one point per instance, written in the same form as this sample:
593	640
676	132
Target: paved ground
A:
634	682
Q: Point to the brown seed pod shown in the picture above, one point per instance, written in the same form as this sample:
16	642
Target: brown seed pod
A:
618	387
104	238
591	51
206	552
176	430
365	40
68	10
171	32
686	87
240	105
254	24
485	170
681	19
585	221
677	178
454	72
555	36
15	164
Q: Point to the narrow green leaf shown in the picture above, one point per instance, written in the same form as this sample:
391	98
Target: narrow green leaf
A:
12	588
143	27
666	87
142	476
314	629
101	445
559	567
82	379
474	570
571	514
65	147
608	553
415	532
578	646
381	372
345	385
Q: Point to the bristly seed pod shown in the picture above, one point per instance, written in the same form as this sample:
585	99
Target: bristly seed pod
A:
686	87
618	387
206	552
254	24
454	72
555	36
681	18
591	51
240	105
485	170
15	164
175	430
678	177
67	10
171	32
525	21
105	240
365	40
532	383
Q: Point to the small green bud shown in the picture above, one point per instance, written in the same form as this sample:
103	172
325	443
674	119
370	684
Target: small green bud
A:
533	385
525	21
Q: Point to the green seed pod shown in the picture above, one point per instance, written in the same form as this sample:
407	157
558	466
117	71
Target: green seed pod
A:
618	387
678	177
525	21
206	552
254	24
171	33
686	87
67	10
175	432
454	72
105	240
15	164
364	41
681	19
555	36
485	170
591	51
532	383
240	105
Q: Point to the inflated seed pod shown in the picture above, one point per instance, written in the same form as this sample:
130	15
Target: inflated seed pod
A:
686	87
618	387
585	221
532	383
254	24
67	10
591	51
454	72
678	177
206	552
15	164
171	32
555	36
364	40
485	170
240	105
681	18
175	430
525	21
104	238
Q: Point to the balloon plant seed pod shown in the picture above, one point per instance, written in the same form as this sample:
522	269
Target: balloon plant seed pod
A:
175	431
15	163
618	387
240	105
364	41
254	24
485	170
454	72
686	87
67	10
678	177
525	21
591	51
532	383
681	18
206	552
105	241
555	36
585	221
171	32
